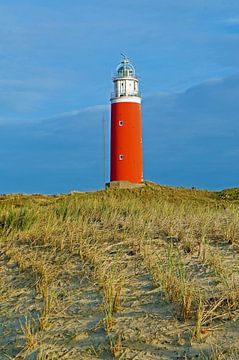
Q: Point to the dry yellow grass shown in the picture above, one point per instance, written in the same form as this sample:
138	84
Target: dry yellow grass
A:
150	273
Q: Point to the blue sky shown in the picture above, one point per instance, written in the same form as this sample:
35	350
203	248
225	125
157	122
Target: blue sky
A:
57	57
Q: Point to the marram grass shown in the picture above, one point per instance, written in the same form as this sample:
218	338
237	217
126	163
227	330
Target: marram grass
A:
184	242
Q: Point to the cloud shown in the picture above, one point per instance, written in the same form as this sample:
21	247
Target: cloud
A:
190	139
90	109
21	98
230	21
53	48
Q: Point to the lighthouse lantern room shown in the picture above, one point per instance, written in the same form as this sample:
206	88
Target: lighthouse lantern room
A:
126	126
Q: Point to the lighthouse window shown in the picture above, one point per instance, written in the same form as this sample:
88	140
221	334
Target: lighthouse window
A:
121	123
121	157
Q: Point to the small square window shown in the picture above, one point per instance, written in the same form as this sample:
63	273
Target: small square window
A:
121	157
121	123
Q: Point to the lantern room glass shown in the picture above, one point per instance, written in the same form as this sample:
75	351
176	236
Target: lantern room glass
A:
125	69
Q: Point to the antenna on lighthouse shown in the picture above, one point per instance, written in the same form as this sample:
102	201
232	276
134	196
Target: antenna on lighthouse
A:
125	57
104	148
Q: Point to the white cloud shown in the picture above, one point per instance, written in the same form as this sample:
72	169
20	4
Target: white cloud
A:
90	109
230	21
190	139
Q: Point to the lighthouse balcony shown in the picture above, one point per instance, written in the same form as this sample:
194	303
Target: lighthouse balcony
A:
126	93
125	76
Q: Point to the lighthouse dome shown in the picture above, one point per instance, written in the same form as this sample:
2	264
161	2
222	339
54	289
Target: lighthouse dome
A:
125	69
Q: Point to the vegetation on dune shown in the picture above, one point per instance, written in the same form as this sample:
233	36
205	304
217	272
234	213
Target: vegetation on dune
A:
228	194
185	240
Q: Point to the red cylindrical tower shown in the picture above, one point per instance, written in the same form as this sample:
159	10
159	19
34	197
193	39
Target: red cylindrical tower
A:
126	126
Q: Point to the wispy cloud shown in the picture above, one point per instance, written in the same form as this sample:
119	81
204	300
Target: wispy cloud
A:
89	109
230	21
63	53
190	139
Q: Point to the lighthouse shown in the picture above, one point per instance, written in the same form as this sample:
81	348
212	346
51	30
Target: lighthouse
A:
126	160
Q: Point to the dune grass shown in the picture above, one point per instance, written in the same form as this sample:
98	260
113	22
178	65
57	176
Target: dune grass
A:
173	231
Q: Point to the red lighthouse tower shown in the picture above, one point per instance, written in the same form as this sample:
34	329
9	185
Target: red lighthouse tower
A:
126	128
